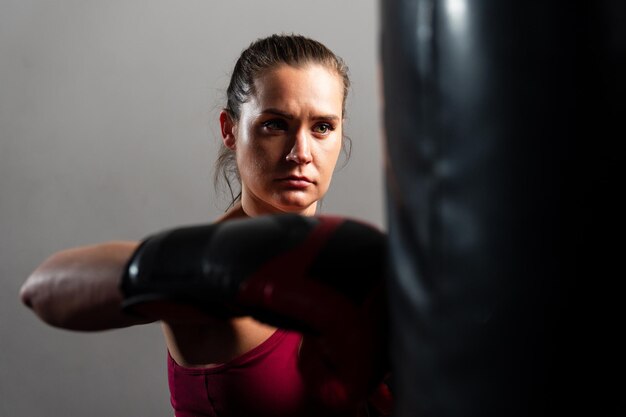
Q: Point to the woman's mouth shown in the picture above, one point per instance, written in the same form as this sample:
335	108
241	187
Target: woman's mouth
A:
296	181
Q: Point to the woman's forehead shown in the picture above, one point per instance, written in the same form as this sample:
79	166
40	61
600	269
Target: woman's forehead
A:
287	87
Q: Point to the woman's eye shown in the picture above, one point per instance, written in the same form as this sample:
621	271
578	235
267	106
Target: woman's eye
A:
275	124
323	128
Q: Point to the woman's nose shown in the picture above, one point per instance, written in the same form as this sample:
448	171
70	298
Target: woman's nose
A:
300	152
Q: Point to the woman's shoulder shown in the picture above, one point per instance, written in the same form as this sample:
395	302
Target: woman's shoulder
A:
215	341
235	212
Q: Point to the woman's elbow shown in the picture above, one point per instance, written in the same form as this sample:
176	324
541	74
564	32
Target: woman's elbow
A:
35	294
40	292
27	294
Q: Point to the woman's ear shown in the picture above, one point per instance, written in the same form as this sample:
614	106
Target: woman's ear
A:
228	127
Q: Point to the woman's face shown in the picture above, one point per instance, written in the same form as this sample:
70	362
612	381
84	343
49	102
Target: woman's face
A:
288	139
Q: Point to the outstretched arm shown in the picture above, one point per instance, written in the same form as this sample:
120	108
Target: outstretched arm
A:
78	289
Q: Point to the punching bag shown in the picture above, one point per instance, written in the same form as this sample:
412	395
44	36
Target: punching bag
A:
501	124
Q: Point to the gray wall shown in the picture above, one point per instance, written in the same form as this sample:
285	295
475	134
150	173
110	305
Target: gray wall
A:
108	130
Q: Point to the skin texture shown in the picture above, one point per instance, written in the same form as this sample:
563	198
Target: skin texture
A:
287	139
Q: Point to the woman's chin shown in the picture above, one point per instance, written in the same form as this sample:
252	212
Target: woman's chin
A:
298	205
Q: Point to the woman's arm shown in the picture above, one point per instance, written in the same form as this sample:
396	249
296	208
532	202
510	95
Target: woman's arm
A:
78	289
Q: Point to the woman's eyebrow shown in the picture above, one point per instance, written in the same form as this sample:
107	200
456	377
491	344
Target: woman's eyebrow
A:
286	115
328	117
278	112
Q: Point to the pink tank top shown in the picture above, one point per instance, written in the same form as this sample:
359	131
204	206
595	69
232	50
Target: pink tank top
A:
262	382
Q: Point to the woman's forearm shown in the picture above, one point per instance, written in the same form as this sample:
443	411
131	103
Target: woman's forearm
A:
78	288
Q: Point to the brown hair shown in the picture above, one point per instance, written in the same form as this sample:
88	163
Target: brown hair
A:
262	55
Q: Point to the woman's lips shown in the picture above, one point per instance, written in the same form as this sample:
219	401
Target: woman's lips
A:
296	182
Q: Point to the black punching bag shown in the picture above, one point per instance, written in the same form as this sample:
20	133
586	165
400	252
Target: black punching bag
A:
502	124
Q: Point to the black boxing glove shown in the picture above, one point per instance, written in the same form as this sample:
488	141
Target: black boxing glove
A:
207	266
323	276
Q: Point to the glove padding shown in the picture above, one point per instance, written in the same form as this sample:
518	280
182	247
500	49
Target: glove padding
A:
322	276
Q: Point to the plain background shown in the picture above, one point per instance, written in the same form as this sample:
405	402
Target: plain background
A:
108	130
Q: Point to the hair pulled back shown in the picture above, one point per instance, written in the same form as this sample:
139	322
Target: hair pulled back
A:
263	55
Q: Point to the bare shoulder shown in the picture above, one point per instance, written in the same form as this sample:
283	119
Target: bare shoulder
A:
215	341
236	212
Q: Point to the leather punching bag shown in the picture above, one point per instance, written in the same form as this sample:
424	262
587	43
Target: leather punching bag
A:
489	106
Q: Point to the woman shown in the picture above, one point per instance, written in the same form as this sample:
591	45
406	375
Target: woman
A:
282	130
